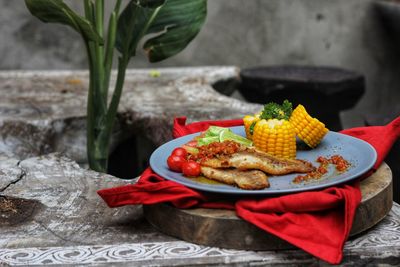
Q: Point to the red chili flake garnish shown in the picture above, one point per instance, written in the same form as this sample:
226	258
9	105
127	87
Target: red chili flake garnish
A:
340	163
322	159
322	169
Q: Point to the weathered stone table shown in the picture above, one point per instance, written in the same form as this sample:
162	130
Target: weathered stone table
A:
49	210
65	223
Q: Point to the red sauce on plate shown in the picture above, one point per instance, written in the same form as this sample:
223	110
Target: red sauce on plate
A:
216	149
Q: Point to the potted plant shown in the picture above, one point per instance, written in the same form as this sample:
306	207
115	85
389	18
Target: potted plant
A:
172	24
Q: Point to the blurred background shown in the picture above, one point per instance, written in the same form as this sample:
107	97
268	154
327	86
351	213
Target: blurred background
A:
357	35
350	34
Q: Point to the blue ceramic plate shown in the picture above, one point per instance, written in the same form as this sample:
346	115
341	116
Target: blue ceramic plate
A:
359	153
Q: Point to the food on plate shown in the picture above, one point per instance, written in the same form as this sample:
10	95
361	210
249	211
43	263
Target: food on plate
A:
249	122
276	137
216	149
179	151
191	147
250	180
221	134
178	162
341	165
232	163
191	164
274	130
307	128
271	130
191	168
252	159
175	162
269	149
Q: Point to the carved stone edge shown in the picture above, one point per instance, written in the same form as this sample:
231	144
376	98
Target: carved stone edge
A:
376	247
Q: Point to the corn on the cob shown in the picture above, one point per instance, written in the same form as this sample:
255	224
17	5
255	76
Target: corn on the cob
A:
276	137
307	128
248	121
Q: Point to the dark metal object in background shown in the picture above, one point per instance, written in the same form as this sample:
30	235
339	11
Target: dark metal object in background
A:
226	86
324	91
389	12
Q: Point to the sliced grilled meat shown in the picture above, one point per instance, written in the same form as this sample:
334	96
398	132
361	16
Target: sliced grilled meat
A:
257	160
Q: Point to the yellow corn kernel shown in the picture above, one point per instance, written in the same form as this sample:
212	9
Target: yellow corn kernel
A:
248	121
276	137
307	128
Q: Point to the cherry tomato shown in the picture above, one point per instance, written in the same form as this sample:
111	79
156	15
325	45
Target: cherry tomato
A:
192	143
191	168
175	162
179	151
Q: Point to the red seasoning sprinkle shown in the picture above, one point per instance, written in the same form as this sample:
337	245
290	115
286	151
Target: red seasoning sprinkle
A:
216	149
340	163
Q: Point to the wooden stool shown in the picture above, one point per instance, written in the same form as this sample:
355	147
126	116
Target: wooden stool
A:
222	228
324	91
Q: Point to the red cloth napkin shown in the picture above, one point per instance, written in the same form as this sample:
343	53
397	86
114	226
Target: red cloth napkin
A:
318	222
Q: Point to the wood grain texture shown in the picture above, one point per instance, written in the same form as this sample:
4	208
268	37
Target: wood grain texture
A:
213	227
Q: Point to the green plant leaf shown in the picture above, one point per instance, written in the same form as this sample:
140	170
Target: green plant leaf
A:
57	11
152	3
133	24
173	22
178	22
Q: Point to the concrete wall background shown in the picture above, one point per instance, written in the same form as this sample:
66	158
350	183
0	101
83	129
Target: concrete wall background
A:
343	33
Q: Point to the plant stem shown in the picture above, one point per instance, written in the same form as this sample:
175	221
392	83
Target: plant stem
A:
104	137
113	107
97	96
99	7
90	119
111	35
101	88
117	6
100	119
109	51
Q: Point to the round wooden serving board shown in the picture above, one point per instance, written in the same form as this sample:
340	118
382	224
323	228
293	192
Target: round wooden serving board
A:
222	228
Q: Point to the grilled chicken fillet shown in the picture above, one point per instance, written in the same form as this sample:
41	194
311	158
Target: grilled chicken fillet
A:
252	159
251	180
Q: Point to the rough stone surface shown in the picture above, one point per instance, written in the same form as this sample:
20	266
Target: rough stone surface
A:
43	112
65	208
69	225
9	172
